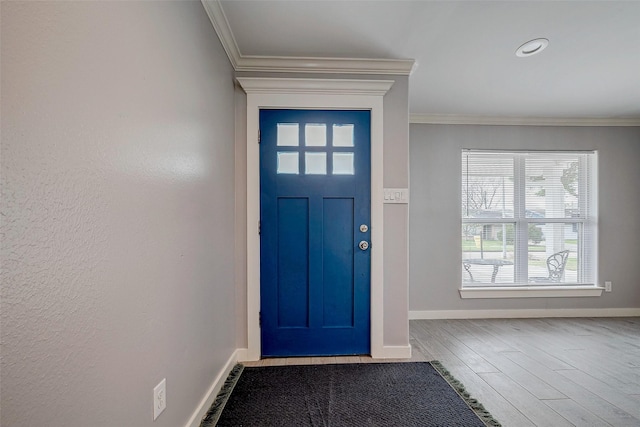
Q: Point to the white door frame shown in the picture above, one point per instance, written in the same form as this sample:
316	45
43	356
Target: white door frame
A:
329	94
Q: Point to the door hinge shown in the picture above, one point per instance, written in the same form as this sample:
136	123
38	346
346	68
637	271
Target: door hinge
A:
260	318
259	227
259	137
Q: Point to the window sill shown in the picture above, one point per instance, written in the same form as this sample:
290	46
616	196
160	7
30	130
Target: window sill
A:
530	291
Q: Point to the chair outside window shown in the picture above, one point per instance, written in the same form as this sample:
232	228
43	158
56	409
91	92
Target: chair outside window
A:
555	265
467	268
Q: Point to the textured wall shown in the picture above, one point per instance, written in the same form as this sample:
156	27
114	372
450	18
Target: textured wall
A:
435	273
117	174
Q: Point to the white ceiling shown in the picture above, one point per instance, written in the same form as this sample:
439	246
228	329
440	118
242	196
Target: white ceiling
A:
465	51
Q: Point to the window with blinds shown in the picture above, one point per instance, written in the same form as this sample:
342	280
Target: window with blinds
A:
529	218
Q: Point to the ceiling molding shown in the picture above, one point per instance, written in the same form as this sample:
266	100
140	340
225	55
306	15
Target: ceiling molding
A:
295	64
325	65
221	26
314	86
447	119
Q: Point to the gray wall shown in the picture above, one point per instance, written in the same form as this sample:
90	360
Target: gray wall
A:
435	219
117	169
396	217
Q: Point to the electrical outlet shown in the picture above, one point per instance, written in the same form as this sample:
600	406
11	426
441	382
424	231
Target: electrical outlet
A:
607	286
159	398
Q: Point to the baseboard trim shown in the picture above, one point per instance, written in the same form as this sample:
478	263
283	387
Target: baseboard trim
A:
525	313
394	352
211	394
243	355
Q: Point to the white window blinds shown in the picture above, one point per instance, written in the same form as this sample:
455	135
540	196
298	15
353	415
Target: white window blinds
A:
528	218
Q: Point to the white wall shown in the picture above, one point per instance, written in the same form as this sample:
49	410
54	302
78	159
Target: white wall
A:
435	273
117	210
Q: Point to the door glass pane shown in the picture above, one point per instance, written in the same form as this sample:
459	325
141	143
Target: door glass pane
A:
287	135
343	164
315	163
343	135
288	163
315	135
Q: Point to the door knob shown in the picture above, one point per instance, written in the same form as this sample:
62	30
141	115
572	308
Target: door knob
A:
364	245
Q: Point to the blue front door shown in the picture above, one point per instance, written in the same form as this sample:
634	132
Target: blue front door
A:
315	212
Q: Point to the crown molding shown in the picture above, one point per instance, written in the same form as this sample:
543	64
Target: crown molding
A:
297	64
314	86
292	64
450	119
223	30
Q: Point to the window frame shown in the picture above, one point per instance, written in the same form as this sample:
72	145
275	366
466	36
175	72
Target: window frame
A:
586	284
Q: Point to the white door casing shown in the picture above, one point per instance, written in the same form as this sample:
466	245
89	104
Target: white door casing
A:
292	93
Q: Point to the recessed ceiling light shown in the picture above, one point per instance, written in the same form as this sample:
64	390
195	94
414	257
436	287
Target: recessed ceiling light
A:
532	47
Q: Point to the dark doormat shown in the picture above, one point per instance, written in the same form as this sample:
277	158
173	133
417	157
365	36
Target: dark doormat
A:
368	394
